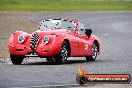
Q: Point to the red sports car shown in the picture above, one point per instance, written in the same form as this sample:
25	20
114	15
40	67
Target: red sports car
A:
55	40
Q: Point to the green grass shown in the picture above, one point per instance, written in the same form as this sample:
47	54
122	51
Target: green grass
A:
64	5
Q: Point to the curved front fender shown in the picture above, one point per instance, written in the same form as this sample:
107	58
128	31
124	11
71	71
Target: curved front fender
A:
52	48
17	48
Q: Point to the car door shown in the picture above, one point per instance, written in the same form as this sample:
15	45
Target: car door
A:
83	41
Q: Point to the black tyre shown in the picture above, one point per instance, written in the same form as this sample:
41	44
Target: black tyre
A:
63	55
81	80
94	53
16	60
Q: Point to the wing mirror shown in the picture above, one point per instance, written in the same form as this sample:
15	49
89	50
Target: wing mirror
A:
88	32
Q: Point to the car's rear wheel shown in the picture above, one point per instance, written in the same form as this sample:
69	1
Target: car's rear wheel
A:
63	55
94	53
16	59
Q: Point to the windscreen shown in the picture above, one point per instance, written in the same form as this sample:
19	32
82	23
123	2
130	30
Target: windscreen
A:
56	24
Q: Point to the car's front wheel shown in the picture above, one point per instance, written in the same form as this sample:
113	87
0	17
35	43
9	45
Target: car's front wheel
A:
94	53
16	59
63	55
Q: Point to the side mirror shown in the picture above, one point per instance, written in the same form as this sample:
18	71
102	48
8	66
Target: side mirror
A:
88	32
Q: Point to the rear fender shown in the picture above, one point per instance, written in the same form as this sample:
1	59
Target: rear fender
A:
93	38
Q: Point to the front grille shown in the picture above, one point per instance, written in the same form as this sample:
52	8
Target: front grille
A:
34	41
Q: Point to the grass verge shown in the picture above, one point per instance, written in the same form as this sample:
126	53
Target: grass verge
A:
64	5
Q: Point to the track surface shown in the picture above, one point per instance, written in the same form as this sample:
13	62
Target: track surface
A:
115	32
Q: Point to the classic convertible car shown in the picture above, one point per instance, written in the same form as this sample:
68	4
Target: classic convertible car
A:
55	40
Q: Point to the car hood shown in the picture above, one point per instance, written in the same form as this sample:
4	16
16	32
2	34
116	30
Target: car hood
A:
51	32
41	34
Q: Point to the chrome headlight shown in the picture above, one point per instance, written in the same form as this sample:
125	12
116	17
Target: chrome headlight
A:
21	38
45	40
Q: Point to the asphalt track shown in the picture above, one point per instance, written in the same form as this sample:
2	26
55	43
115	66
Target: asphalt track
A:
114	28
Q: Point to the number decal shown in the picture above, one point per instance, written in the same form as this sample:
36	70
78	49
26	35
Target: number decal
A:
86	48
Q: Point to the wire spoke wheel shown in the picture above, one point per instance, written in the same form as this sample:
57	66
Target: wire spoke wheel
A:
94	51
64	53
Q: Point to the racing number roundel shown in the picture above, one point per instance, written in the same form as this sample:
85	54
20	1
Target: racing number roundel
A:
86	48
